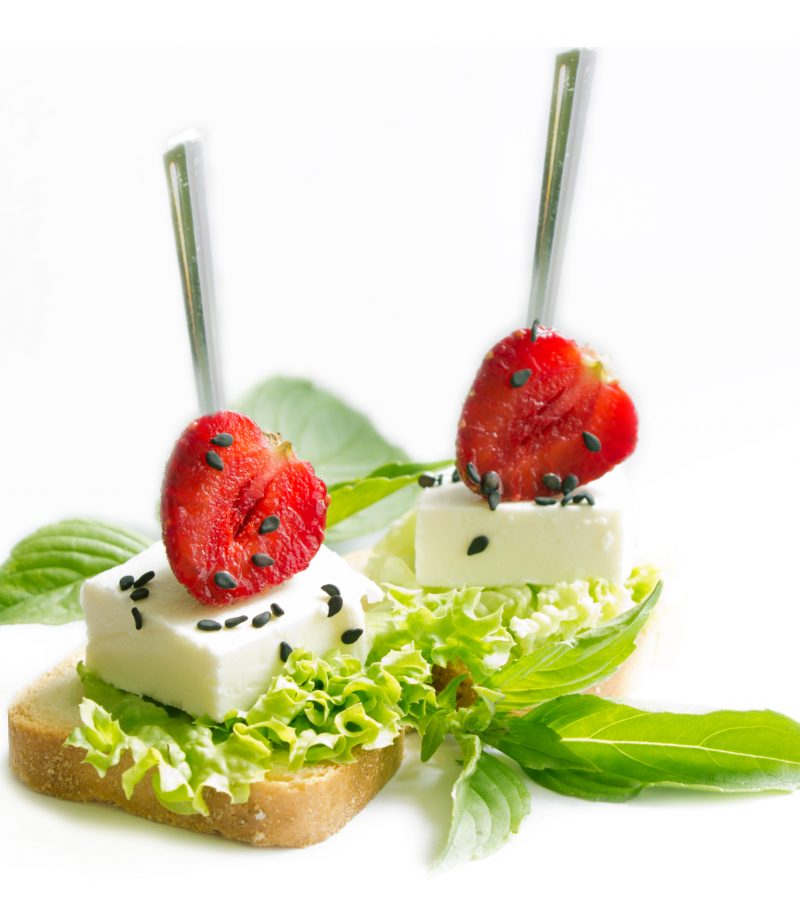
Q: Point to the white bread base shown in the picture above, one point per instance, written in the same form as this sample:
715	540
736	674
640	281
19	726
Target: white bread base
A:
286	809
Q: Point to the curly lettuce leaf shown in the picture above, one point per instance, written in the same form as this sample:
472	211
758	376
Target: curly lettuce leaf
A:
323	708
317	709
184	755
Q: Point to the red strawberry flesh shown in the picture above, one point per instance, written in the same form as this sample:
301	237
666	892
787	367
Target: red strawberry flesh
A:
211	519
523	433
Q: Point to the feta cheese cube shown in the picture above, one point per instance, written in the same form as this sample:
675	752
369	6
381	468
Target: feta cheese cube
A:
527	543
212	672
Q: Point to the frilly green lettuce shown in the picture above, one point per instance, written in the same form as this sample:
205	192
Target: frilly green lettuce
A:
485	627
185	755
318	709
324	708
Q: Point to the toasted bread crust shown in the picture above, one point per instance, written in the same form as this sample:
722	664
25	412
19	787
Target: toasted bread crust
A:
286	809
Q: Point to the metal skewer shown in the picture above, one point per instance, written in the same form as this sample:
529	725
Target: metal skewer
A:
571	81
184	166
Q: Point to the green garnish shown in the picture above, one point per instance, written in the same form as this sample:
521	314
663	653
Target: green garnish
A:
41	579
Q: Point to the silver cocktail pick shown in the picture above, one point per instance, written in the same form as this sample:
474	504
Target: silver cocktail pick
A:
184	166
571	80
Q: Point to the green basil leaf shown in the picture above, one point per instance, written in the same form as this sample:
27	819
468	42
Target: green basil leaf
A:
550	762
340	442
532	744
440	723
432	737
587	785
396	470
489	802
373	518
729	750
351	497
562	667
41	580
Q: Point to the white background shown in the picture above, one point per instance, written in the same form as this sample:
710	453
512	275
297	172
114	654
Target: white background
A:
372	215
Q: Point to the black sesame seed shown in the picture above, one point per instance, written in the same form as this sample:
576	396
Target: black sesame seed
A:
472	473
478	545
455	477
224	580
352	635
223	439
439	478
276	610
208	625
261	560
140	594
126	582
269	524
520	377
552	481
214	460
494	500
137	617
569	483
234	621
581	496
286	650
545	501
490	481
535	329
334	605
426	481
143	579
567	498
261	619
591	441
331	590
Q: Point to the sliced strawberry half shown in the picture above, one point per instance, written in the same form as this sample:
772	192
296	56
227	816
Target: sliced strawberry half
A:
239	511
537	408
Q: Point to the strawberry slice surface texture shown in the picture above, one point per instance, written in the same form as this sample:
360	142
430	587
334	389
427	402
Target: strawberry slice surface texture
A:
239	512
543	407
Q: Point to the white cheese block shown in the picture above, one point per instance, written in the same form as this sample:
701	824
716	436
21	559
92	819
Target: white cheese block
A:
212	672
528	544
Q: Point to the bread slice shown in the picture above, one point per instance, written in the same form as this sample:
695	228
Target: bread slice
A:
286	809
